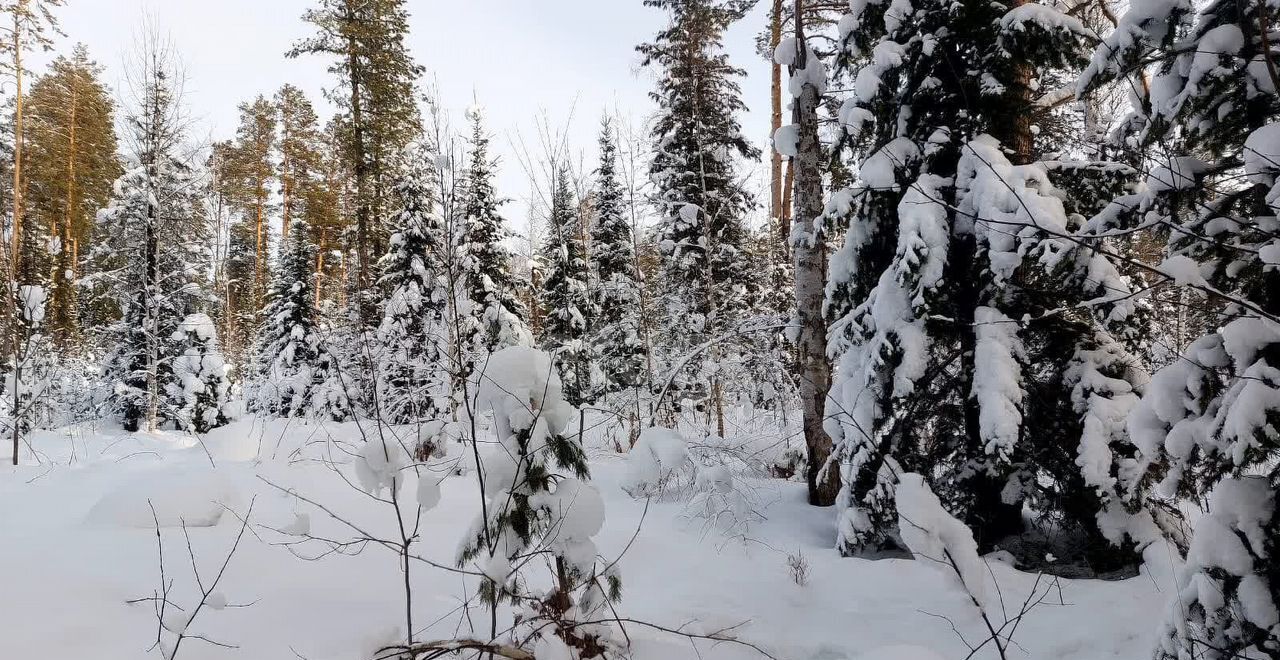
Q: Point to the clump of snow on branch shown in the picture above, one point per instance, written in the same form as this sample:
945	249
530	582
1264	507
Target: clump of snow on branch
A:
934	536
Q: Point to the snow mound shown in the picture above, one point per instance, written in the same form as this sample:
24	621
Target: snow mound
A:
232	443
900	652
196	498
658	453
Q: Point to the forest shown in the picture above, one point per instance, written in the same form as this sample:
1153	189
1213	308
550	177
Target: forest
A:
974	354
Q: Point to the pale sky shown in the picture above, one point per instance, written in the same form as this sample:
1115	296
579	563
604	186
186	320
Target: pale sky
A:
518	57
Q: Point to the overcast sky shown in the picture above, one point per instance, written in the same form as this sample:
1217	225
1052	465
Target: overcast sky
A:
518	57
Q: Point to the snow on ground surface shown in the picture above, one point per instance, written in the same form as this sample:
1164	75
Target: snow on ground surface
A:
79	541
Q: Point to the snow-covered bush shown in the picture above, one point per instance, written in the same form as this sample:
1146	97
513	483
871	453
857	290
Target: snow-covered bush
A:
29	371
539	499
711	476
655	461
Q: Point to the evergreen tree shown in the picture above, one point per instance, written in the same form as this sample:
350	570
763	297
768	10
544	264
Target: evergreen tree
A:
963	307
251	175
153	289
29	29
699	192
330	209
200	391
498	316
153	254
294	365
71	164
617	330
1209	424
565	295
313	184
377	100
412	337
300	169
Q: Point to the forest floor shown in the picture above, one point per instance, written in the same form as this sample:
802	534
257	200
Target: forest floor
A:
79	540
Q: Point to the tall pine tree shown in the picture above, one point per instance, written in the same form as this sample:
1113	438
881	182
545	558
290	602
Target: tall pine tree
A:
300	168
71	164
376	96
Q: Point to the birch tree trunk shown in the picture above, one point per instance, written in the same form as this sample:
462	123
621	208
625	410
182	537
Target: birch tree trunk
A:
809	259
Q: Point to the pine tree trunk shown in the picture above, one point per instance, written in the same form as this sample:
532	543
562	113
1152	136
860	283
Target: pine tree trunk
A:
1014	132
16	422
286	190
788	185
17	142
320	268
63	294
17	216
259	278
360	162
775	160
808	256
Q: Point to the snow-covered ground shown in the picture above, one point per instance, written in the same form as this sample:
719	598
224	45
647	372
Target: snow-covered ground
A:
79	540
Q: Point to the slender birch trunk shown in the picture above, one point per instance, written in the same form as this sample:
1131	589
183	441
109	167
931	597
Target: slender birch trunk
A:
809	259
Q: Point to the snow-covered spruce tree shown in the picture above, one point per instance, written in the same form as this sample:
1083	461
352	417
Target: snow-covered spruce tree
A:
565	296
293	368
699	192
979	341
540	501
1209	423
497	314
411	338
200	391
152	249
616	331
